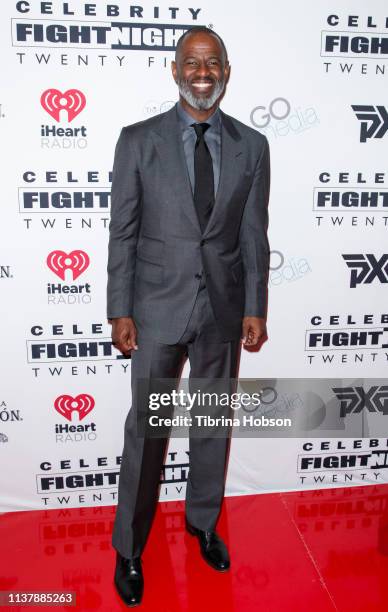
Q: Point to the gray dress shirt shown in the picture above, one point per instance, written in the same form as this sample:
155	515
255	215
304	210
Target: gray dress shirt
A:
212	138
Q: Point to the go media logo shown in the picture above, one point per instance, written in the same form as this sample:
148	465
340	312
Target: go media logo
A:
282	119
63	107
74	409
68	266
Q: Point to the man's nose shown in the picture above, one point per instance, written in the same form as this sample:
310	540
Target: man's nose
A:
203	70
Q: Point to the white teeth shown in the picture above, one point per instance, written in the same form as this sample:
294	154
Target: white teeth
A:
201	85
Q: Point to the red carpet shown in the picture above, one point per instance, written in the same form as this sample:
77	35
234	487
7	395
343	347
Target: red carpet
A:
295	552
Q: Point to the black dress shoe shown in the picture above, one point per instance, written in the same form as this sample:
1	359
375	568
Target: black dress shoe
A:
213	549
129	580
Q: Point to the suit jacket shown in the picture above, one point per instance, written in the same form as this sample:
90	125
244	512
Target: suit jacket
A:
156	248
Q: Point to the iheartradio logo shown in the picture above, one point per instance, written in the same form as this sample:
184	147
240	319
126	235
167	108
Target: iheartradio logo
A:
53	101
76	261
81	405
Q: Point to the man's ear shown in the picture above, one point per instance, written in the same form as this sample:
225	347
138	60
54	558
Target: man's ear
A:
174	70
227	71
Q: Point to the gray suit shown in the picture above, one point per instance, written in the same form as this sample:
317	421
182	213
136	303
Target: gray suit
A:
186	291
156	249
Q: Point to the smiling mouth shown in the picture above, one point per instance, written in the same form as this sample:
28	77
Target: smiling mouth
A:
202	85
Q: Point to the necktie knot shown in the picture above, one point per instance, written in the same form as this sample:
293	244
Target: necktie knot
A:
200	129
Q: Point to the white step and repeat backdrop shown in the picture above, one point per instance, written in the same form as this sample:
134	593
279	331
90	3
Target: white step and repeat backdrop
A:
313	78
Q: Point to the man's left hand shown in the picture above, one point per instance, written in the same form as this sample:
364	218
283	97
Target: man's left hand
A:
254	332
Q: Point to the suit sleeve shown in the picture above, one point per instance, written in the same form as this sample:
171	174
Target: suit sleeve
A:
123	229
254	240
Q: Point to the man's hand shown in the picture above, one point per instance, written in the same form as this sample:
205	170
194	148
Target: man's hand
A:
124	334
254	332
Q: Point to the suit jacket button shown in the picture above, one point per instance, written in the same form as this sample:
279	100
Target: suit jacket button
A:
202	242
198	276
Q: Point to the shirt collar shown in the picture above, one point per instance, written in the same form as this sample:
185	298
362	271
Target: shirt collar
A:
186	120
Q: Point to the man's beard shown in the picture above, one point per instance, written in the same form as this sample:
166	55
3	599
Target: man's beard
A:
200	103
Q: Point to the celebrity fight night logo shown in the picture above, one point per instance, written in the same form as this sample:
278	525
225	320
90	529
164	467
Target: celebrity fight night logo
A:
94	480
74	410
347	338
79	481
65	199
68	267
343	461
72	349
83	34
355	44
63	107
350	199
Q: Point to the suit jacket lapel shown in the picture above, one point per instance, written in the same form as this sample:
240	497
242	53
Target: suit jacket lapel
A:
231	157
168	140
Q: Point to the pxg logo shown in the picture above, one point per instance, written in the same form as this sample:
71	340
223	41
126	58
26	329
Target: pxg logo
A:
365	268
373	119
355	399
54	101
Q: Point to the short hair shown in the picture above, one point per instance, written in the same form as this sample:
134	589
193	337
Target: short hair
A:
206	30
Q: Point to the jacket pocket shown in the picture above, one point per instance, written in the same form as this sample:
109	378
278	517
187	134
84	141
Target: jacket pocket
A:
149	270
151	249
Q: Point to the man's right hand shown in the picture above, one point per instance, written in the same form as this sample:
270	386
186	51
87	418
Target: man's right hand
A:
124	334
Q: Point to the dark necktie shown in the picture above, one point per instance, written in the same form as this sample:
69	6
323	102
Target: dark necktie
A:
203	176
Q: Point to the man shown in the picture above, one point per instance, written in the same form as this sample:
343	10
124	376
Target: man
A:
187	275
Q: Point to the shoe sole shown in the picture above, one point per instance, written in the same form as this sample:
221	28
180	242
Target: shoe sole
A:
191	531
